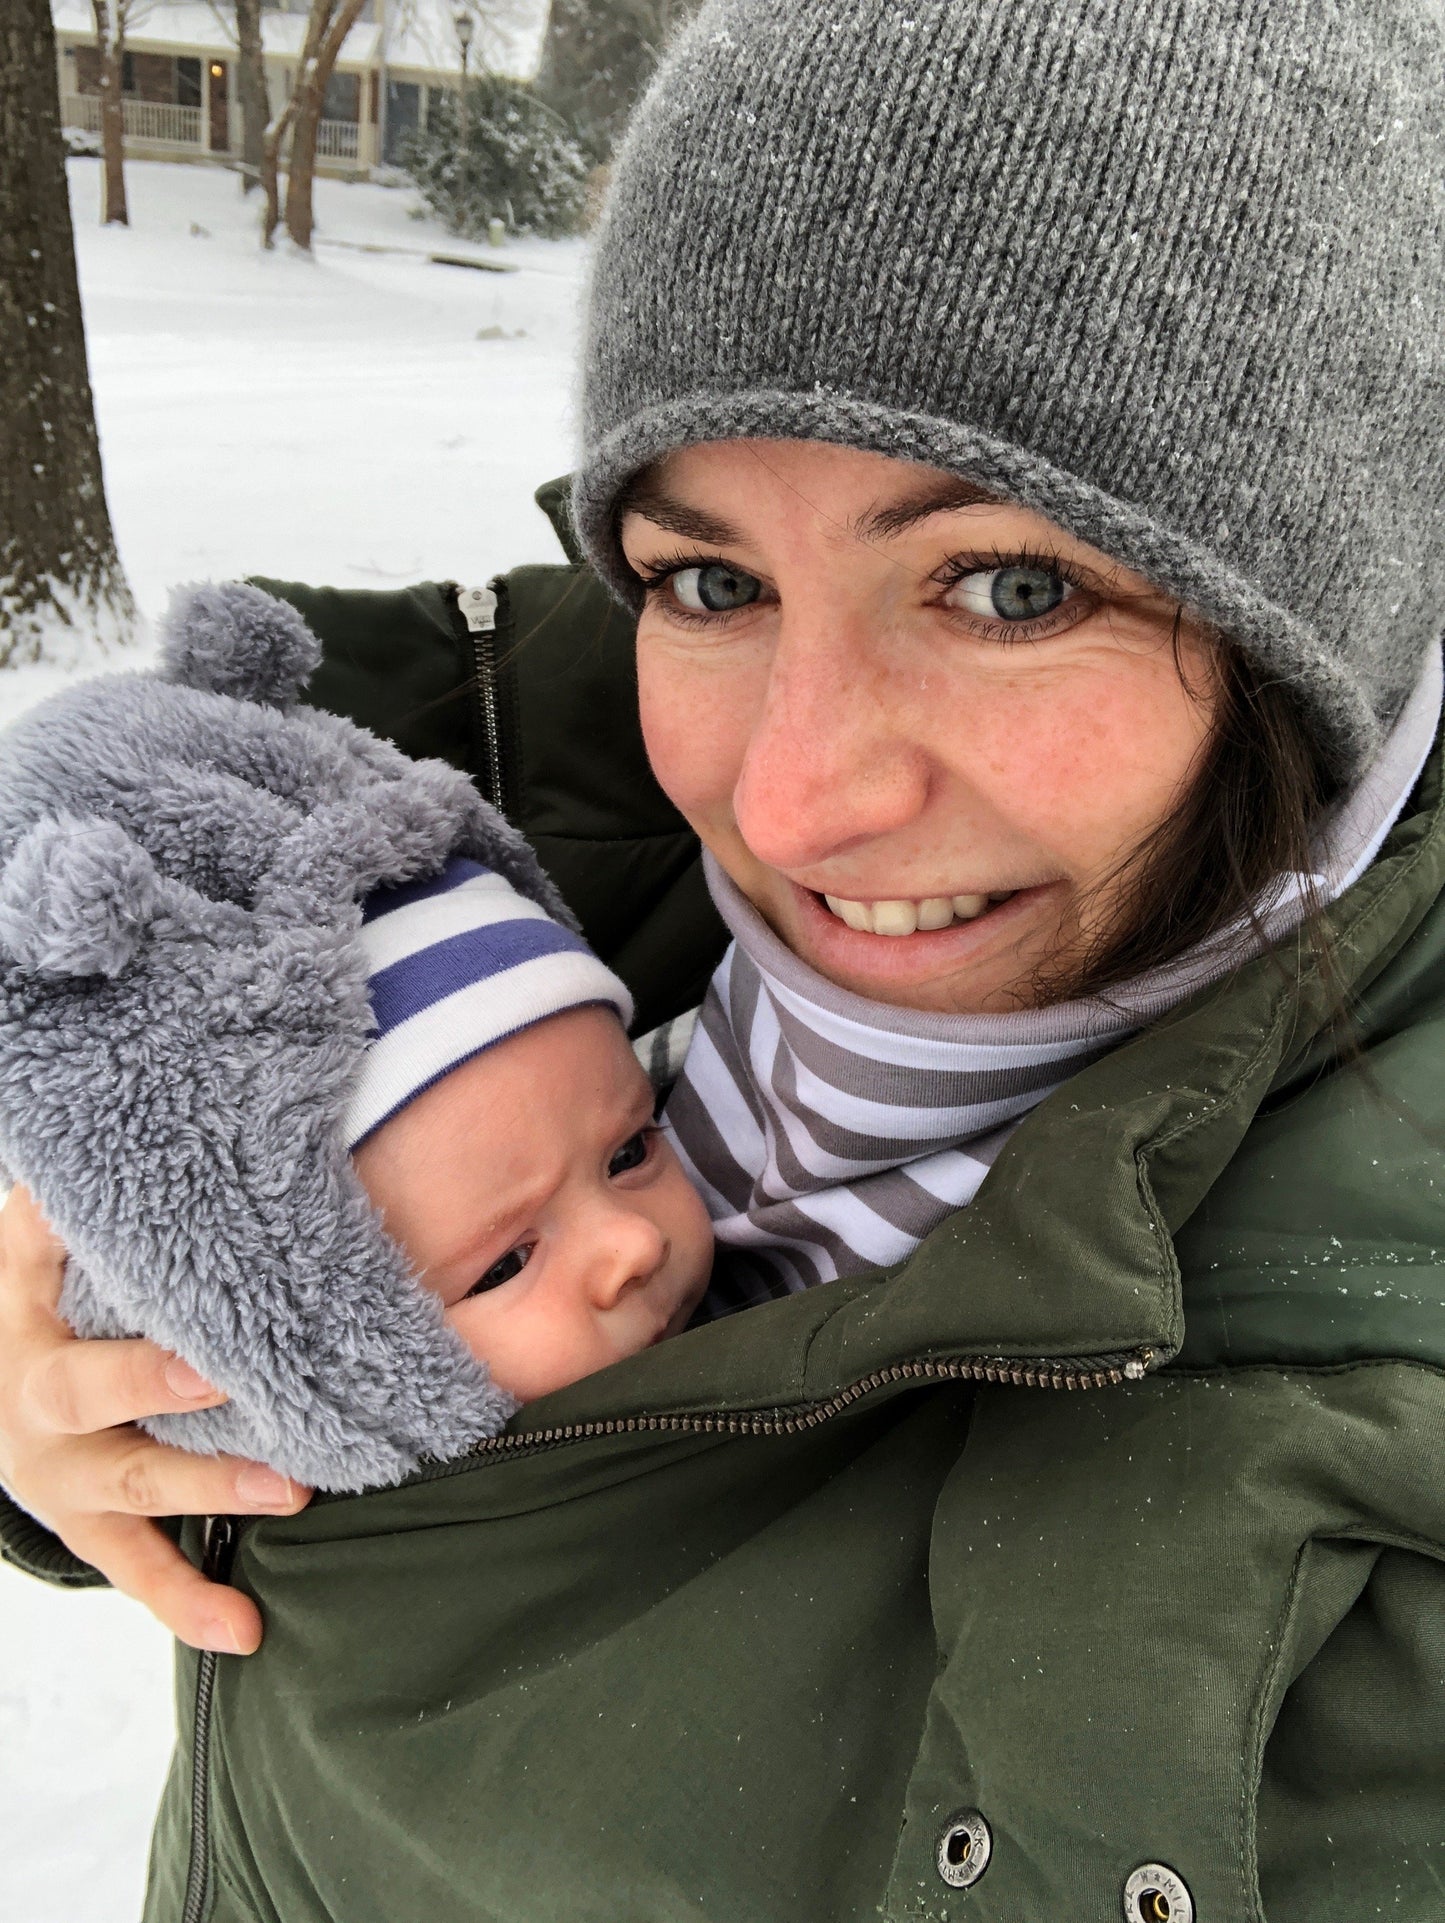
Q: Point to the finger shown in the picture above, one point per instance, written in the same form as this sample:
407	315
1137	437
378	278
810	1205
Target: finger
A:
126	1472
77	1388
32	1253
138	1560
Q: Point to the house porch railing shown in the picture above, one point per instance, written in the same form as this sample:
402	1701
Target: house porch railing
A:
162	125
336	139
153	120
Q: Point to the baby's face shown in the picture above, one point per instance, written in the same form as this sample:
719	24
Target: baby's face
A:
534	1194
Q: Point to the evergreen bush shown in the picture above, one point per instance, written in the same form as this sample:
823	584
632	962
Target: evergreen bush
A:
522	163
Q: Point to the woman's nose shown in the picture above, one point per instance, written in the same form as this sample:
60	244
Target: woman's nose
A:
828	764
627	1251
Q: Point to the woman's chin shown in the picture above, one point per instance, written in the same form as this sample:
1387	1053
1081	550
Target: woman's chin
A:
982	966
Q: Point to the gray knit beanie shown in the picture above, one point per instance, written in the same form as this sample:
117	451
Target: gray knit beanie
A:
1169	272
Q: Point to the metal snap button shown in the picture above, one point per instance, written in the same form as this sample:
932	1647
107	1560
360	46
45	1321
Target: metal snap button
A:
964	1849
1157	1894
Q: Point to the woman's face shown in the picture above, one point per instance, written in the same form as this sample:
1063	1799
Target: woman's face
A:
919	730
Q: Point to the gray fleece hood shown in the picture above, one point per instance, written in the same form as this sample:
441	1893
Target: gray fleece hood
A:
183	1011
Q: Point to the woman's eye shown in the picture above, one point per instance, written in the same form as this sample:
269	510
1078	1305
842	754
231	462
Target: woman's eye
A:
1012	594
511	1264
714	589
632	1154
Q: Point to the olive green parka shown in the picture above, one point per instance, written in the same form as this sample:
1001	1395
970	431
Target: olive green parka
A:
1090	1564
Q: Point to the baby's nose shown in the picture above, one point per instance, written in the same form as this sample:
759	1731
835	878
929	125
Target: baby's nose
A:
631	1249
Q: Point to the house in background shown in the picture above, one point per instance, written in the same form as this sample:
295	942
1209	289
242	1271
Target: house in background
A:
181	100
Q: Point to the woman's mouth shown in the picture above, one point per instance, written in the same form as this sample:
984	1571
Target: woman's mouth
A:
902	917
857	942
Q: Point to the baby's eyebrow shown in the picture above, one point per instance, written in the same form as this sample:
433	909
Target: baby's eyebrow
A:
501	1231
522	1201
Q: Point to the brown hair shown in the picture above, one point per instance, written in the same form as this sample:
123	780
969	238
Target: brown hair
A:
1246	818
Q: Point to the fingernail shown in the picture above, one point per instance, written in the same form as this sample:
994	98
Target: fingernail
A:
257	1484
220	1636
183	1380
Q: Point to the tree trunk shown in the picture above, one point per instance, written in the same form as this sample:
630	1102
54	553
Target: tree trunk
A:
110	42
301	167
58	567
326	30
251	84
271	171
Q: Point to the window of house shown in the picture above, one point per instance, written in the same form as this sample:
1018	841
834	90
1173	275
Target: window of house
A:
151	76
343	97
87	70
188	81
403	116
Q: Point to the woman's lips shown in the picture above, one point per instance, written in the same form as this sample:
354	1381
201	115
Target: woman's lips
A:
922	956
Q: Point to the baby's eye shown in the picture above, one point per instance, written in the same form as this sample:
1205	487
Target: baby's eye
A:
1012	594
632	1154
511	1264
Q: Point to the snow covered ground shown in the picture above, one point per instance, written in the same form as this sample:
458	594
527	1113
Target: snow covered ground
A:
365	419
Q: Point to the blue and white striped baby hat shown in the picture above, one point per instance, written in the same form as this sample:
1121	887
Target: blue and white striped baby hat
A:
455	964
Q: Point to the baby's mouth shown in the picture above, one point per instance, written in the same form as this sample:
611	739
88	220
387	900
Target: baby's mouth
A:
899	917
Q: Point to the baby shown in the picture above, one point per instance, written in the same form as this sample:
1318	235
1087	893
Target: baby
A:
305	1063
515	1159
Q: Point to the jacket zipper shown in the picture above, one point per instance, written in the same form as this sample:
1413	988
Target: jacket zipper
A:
220	1550
478	609
1092	1372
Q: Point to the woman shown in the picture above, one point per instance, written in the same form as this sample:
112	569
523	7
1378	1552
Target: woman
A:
1020	433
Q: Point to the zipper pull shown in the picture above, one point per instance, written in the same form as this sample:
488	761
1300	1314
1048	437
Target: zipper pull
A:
478	609
222	1534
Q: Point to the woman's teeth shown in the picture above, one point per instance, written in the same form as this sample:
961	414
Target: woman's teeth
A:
908	917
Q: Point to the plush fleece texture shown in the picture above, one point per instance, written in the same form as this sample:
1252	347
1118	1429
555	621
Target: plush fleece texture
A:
183	1012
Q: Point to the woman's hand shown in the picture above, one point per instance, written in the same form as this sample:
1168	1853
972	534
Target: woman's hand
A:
70	1455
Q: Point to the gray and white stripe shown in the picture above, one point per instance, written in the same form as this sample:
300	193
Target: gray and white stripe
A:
830	1134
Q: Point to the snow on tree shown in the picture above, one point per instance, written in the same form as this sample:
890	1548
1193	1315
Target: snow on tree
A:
509	156
598	56
60	579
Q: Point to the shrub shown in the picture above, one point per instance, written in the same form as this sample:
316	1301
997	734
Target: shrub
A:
522	163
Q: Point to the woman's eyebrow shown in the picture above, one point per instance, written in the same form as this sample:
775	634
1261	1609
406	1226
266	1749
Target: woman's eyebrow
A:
882	522
891	518
666	511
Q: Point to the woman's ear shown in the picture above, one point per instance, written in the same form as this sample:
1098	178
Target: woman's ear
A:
77	897
227	637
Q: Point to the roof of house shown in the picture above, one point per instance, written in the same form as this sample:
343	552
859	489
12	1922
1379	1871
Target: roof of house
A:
416	34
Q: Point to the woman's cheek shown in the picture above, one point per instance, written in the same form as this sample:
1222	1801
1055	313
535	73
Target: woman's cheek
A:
696	720
1087	764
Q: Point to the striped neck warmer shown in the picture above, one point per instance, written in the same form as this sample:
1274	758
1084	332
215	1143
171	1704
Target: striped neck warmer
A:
830	1134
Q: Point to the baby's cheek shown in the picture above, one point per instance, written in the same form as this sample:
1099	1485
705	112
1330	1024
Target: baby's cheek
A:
474	1319
528	1353
690	1227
